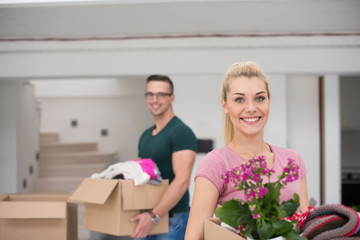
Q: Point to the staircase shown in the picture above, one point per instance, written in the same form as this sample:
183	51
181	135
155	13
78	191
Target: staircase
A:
63	166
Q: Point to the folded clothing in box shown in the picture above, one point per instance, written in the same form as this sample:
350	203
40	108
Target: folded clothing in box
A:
140	170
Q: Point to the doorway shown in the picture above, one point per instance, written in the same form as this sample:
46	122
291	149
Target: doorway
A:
350	139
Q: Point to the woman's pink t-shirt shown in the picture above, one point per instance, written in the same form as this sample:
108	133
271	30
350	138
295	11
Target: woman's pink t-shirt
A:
218	161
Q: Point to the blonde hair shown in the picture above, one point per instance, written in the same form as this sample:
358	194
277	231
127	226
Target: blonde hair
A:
240	69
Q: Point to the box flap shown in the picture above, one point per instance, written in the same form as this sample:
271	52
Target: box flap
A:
213	231
141	197
39	197
31	210
94	191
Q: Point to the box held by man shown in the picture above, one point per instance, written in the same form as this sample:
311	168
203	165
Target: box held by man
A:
109	204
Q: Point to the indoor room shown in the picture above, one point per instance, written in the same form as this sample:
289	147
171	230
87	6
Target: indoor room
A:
74	99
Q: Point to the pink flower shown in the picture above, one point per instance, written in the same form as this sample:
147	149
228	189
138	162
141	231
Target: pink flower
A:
248	197
291	161
253	194
245	177
289	178
256	177
262	192
252	207
250	177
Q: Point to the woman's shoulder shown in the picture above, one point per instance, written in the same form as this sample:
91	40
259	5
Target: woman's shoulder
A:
216	155
215	163
219	152
223	156
282	151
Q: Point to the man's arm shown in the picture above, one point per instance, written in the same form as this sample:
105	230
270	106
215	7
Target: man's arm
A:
182	162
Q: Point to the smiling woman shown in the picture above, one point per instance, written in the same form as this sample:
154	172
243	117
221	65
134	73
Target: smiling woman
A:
254	80
246	105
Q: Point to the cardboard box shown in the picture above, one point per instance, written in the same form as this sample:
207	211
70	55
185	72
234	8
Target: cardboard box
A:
37	217
213	231
109	204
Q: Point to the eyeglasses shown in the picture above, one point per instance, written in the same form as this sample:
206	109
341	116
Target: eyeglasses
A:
159	95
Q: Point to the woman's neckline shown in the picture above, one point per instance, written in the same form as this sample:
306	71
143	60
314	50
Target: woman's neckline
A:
244	160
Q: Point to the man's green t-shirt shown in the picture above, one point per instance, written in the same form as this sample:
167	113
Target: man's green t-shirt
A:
175	136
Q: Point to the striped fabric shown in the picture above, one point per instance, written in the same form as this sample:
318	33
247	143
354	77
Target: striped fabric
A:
332	221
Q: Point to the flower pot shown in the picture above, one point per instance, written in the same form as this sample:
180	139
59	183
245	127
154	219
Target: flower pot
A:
275	238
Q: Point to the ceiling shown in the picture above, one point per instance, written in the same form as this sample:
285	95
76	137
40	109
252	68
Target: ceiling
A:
84	20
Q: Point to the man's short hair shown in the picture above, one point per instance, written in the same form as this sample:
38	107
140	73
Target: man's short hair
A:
163	78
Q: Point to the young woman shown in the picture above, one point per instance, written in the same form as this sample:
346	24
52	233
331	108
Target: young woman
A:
246	103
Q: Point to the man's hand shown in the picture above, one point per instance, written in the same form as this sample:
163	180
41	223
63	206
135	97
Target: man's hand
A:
144	225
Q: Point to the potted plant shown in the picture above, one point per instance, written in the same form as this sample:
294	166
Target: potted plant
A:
261	215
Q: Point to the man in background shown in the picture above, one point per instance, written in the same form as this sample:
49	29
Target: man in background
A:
172	146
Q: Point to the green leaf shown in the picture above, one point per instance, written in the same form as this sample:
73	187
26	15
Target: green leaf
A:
265	230
280	212
289	207
251	230
273	192
296	197
281	226
292	235
233	213
271	198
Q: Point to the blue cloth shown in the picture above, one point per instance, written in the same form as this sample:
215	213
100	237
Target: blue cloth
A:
177	228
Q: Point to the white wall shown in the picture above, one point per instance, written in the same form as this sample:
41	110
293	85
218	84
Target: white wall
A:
177	56
303	127
8	129
275	130
18	136
27	136
90	87
332	142
197	103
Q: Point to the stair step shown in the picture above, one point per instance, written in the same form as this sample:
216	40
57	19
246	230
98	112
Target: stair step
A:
71	170
68	147
46	138
57	184
77	158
